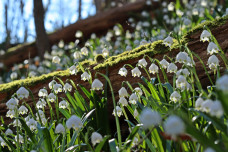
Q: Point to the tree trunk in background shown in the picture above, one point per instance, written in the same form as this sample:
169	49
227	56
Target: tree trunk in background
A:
98	4
79	9
8	31
42	41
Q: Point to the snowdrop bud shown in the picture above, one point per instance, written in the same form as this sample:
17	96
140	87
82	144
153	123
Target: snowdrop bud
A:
199	103
118	111
153	68
149	118
59	129
175	97
51	84
63	104
96	138
142	63
205	36
73	70
216	109
8	132
174	126
57	88
133	98
123	71
51	97
11	104
206	105
123	92
74	122
222	83
136	114
164	63
56	59
77	55
212	48
182	57
172	68
84	51
43	93
13	75
97	85
22	110
85	76
22	93
135	72
168	41
105	52
123	101
138	91
213	62
67	87
209	150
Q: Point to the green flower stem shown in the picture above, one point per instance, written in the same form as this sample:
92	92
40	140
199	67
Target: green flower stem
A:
18	144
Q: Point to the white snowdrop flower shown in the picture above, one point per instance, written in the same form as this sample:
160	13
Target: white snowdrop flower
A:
181	83
73	70
205	36
16	123
44	121
96	138
13	75
11	104
63	104
143	42
22	110
85	76
51	97
41	113
84	51
128	48
136	113
123	71
123	92
164	63
153	68
222	83
174	126
61	44
209	149
216	109
41	104
149	118
32	124
212	48
56	59
11	114
190	62
135	141
175	97
136	72
206	105
136	42
142	63
51	84
67	87
123	101
3	143
22	93
74	122
32	74
57	88
21	139
8	132
78	34
105	52
182	57
138	91
97	85
77	55
168	41
172	68
59	129
183	72
179	12
33	151
213	62
133	98
43	93
118	111
199	103
171	6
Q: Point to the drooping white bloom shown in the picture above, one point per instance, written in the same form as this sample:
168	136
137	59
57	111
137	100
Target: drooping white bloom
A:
213	62
32	124
175	97
74	122
78	34
190	62
183	72
22	110
143	42
174	126
3	143
153	68
206	105
123	101
172	68
73	70
123	92
181	83
136	113
212	48
205	36
133	98
136	72
149	118
216	109
118	111
21	139
182	57
199	103
11	104
138	91
56	59
128	48
67	87
51	84
41	104
164	63
97	85
222	83
84	51
168	41
43	120
123	71
59	129
209	149
96	138
77	55
16	123
57	88
43	93
105	52
63	104
51	97
135	141
41	113
142	63
85	76
171	6
22	93
8	132
11	114
13	75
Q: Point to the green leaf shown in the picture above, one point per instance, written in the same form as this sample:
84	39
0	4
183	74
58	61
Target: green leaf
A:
65	113
46	137
112	145
101	144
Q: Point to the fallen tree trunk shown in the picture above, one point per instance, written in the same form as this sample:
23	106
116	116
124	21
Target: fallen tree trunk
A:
98	24
154	50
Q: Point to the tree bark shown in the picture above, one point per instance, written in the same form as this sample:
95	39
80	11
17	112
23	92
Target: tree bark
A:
79	9
42	41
